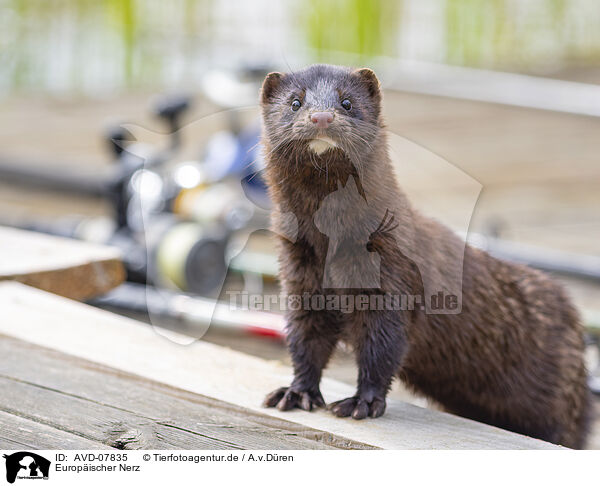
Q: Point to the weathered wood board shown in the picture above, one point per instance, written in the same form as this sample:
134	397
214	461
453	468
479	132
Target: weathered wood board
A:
17	432
52	400
74	269
218	374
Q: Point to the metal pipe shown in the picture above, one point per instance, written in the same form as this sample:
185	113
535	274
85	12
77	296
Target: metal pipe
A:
191	311
52	178
549	260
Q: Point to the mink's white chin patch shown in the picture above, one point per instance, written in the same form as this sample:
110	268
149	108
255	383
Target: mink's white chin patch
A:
321	144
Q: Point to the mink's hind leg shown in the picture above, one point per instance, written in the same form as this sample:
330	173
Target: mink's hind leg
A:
380	350
312	336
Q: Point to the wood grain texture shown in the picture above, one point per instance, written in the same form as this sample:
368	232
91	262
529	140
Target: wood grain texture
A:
109	408
70	268
20	433
227	376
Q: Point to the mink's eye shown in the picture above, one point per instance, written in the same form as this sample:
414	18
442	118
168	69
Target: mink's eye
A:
346	105
296	105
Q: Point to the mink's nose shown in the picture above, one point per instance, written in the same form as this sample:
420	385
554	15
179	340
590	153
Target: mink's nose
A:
322	119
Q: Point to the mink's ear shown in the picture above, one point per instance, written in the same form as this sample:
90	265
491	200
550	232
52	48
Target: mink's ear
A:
370	81
270	84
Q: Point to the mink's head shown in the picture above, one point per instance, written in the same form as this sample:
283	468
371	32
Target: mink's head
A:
321	110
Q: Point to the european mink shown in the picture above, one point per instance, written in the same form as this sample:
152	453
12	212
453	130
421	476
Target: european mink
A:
511	357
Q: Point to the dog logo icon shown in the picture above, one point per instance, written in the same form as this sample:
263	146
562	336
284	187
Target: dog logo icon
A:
26	465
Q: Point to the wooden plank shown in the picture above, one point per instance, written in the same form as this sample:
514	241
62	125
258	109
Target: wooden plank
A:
505	88
74	269
153	411
122	429
20	433
96	422
228	376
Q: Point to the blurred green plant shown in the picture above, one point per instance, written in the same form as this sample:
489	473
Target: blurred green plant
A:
523	35
97	45
121	16
364	28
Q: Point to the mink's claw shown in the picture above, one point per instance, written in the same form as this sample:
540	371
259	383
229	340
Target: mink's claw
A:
286	398
358	408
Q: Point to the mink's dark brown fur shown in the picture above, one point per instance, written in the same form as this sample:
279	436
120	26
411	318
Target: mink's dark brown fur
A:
512	357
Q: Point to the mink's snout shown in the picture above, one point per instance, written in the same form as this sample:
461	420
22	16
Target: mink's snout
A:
322	119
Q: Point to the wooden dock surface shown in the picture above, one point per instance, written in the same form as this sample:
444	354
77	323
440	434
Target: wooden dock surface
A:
72	376
52	400
62	266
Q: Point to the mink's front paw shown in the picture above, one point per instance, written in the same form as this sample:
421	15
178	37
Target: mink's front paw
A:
358	407
285	398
